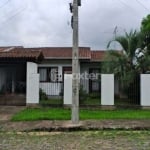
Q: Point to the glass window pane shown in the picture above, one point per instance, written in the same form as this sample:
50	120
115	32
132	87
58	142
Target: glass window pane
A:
43	74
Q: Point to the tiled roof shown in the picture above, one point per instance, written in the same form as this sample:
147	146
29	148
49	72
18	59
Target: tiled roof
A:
50	53
63	52
7	49
2	49
97	55
20	53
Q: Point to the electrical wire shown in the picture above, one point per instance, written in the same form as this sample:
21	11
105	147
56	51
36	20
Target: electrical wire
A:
125	4
142	5
5	3
13	16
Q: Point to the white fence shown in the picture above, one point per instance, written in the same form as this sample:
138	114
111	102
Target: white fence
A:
107	89
145	90
51	89
32	96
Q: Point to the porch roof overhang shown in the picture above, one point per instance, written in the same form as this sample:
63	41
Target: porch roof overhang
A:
23	56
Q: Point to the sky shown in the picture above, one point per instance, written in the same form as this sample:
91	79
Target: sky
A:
43	23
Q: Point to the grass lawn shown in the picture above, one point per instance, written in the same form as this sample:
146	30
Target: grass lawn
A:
32	114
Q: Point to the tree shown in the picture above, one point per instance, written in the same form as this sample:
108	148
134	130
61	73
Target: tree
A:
124	63
145	24
124	59
134	58
145	30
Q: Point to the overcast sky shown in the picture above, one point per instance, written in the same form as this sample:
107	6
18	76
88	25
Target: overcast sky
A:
34	23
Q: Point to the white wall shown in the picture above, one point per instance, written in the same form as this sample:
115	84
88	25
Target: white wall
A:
32	94
31	68
145	89
68	89
107	89
33	89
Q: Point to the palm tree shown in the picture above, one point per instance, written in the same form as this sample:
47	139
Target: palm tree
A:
123	63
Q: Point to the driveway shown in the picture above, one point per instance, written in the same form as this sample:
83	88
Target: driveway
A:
6	112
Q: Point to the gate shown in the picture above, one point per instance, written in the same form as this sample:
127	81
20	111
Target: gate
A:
127	93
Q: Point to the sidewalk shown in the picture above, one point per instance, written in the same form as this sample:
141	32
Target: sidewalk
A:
82	126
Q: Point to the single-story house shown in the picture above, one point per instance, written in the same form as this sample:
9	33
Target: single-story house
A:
50	61
13	73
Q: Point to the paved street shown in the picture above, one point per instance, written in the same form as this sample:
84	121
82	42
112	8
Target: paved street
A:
89	140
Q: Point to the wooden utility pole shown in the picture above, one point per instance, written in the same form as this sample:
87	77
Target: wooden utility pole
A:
75	64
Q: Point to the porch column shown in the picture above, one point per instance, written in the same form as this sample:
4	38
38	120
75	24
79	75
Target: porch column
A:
32	94
145	90
107	89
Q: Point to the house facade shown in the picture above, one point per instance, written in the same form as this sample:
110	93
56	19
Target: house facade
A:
52	63
59	61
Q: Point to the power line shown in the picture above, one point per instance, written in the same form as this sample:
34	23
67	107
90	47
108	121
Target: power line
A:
13	16
142	5
137	2
5	3
125	4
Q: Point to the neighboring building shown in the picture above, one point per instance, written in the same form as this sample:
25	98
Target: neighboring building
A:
50	60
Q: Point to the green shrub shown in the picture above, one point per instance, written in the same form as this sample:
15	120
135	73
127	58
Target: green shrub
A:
43	95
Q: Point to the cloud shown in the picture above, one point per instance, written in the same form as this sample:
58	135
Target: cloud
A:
47	22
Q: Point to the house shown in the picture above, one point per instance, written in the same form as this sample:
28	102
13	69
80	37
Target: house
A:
52	63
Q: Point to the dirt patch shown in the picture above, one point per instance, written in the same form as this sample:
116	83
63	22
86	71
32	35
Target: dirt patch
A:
6	112
68	126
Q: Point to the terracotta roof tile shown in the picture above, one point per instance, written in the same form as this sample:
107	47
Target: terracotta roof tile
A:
20	53
9	48
2	49
50	53
97	55
63	52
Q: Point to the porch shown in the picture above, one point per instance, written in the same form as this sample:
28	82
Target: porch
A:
13	84
18	72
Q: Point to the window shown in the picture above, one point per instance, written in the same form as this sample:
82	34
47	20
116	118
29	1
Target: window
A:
48	74
43	74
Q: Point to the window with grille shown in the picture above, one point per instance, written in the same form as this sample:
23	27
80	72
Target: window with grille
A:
48	74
